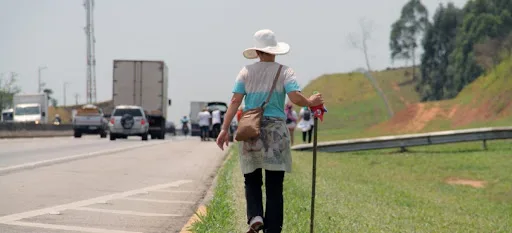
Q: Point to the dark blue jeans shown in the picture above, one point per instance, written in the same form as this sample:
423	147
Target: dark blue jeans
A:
273	218
205	131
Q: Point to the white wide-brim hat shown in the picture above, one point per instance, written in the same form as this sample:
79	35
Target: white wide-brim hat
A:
265	41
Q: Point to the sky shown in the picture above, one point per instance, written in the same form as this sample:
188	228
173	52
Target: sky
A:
200	41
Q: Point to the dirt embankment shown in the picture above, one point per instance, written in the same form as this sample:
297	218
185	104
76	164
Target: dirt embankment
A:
416	117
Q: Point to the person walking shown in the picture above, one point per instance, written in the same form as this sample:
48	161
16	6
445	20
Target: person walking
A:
271	151
291	120
204	124
306	124
216	121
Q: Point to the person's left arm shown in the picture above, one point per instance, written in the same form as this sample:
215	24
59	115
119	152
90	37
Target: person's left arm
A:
236	101
237	98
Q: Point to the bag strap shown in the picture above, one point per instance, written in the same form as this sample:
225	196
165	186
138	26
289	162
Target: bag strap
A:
272	88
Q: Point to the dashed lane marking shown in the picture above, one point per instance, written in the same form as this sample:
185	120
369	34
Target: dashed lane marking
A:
126	212
29	214
24	166
66	228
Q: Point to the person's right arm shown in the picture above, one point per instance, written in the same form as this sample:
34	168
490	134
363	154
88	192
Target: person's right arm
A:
293	91
297	98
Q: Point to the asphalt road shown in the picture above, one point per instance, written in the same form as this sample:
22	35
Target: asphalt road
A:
96	185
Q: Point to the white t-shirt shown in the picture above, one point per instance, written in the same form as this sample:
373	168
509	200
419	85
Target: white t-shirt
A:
303	124
204	118
216	117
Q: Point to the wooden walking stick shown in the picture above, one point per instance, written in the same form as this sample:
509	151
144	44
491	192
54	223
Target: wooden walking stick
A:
318	112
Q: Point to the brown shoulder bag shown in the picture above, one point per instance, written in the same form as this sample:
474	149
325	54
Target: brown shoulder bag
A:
250	121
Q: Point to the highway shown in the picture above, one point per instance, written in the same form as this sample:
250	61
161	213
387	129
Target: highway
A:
50	185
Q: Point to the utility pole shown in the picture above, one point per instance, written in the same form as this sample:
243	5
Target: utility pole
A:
64	93
90	51
76	98
39	83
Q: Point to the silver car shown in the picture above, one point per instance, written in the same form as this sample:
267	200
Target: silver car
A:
128	120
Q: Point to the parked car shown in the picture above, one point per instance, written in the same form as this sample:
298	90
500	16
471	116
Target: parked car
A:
89	120
128	120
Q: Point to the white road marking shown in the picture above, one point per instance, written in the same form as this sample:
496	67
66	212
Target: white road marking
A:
59	208
174	191
156	200
126	212
66	228
73	157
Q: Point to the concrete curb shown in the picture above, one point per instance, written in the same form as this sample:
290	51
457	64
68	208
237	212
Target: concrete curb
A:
201	210
35	134
25	166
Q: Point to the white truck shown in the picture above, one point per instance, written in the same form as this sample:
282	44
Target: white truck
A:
144	84
30	108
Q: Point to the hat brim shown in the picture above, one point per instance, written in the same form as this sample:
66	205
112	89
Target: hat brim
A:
281	49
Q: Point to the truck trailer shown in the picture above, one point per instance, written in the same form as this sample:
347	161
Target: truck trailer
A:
143	83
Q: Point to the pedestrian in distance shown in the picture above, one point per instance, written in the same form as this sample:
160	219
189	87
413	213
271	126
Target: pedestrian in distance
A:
216	121
306	124
291	121
204	124
270	151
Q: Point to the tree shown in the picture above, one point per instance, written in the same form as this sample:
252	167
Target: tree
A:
360	41
488	53
438	44
8	89
482	19
49	93
406	31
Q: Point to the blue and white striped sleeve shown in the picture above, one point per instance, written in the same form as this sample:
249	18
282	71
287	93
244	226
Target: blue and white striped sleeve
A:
240	82
290	81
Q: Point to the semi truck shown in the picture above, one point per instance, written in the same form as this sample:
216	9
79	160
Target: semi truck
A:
30	108
143	83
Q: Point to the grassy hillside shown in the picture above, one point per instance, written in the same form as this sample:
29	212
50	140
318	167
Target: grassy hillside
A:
485	102
356	110
353	103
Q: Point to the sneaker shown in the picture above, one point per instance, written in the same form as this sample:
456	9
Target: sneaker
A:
255	225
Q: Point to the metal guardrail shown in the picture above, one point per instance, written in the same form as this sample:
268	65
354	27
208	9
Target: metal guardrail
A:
34	127
410	140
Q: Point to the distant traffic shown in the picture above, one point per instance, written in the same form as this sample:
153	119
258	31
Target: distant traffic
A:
138	108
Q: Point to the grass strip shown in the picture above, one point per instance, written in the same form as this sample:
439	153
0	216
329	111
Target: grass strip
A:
220	215
385	191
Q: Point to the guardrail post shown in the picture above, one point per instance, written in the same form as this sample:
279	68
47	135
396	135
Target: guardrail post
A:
485	144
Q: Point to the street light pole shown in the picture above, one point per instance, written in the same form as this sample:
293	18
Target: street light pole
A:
39	84
64	93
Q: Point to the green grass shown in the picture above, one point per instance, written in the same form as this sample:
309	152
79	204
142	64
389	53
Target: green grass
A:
381	191
384	191
220	216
